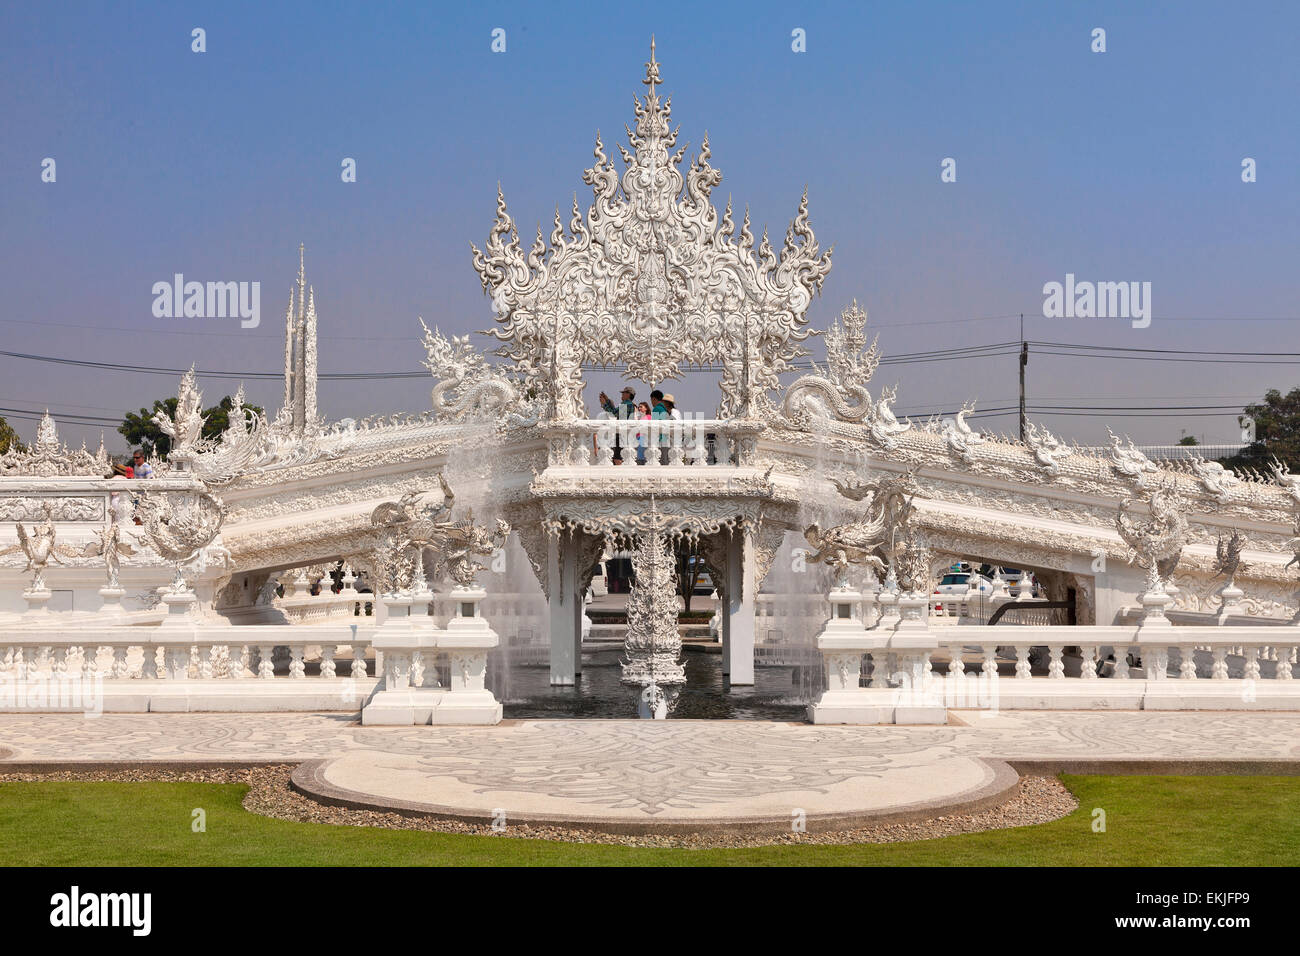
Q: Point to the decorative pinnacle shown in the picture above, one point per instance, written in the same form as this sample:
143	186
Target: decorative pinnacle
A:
651	68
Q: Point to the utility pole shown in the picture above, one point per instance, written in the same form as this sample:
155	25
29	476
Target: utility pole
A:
1024	360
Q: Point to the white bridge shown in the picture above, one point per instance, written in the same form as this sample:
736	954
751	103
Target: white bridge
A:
260	578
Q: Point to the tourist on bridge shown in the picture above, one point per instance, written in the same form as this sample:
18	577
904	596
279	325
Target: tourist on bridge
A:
675	413
140	468
660	413
625	411
643	414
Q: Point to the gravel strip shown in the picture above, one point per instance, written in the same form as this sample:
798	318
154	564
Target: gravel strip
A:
1039	800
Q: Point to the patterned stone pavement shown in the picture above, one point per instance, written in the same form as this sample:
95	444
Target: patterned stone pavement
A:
656	772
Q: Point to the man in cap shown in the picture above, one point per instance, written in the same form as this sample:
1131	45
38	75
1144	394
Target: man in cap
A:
624	411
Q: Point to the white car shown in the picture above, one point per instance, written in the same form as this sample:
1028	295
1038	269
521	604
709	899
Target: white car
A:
955	585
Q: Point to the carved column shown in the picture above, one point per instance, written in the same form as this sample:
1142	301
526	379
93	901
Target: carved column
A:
565	604
738	607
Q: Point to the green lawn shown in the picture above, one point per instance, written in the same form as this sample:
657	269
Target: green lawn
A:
1150	821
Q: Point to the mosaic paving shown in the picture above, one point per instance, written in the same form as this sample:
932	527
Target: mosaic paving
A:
633	770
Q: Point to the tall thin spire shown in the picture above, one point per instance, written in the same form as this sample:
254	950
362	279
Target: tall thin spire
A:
309	360
300	351
651	68
288	353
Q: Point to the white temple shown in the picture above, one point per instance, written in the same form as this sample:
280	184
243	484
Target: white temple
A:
211	603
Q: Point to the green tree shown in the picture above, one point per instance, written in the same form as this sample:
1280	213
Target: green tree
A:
1277	433
140	431
8	438
1188	440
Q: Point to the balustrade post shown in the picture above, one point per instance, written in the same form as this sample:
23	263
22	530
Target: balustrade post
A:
1055	666
1251	671
206	668
265	668
1121	662
149	662
1023	670
1186	662
327	661
651	431
89	662
297	667
358	669
1158	666
1219	669
1284	657
1088	668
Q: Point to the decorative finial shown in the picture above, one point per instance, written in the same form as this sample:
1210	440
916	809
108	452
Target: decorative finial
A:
651	68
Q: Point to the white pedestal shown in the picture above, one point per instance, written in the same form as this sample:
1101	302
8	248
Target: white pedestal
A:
36	599
112	601
843	641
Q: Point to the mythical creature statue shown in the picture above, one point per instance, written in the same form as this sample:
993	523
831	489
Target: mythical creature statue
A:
912	566
1294	543
39	548
185	426
1214	478
461	541
179	527
845	545
1287	480
406	528
961	438
111	547
891	499
1048	450
1159	539
468	388
1129	462
1227	558
246	444
873	538
841	387
885	428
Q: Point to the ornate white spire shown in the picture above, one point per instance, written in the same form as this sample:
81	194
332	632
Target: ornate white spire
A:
299	407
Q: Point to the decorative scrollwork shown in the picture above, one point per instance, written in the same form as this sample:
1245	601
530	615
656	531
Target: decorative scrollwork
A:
651	277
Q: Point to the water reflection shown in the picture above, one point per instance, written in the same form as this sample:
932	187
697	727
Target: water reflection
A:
778	693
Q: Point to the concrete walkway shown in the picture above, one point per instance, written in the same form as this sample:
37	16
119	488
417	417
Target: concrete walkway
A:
670	776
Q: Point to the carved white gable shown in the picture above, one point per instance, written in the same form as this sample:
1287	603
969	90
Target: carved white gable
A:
651	276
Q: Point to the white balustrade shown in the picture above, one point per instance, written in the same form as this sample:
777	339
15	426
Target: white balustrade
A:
204	667
1215	668
592	441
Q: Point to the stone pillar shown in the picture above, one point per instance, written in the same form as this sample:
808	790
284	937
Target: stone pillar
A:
467	640
565	609
738	610
843	641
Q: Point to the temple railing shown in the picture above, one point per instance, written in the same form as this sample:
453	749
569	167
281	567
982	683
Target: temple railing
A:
195	664
1166	653
178	652
899	668
696	442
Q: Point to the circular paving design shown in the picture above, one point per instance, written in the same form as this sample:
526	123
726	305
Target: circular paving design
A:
663	777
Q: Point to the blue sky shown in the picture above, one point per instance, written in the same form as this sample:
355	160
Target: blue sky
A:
1116	166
